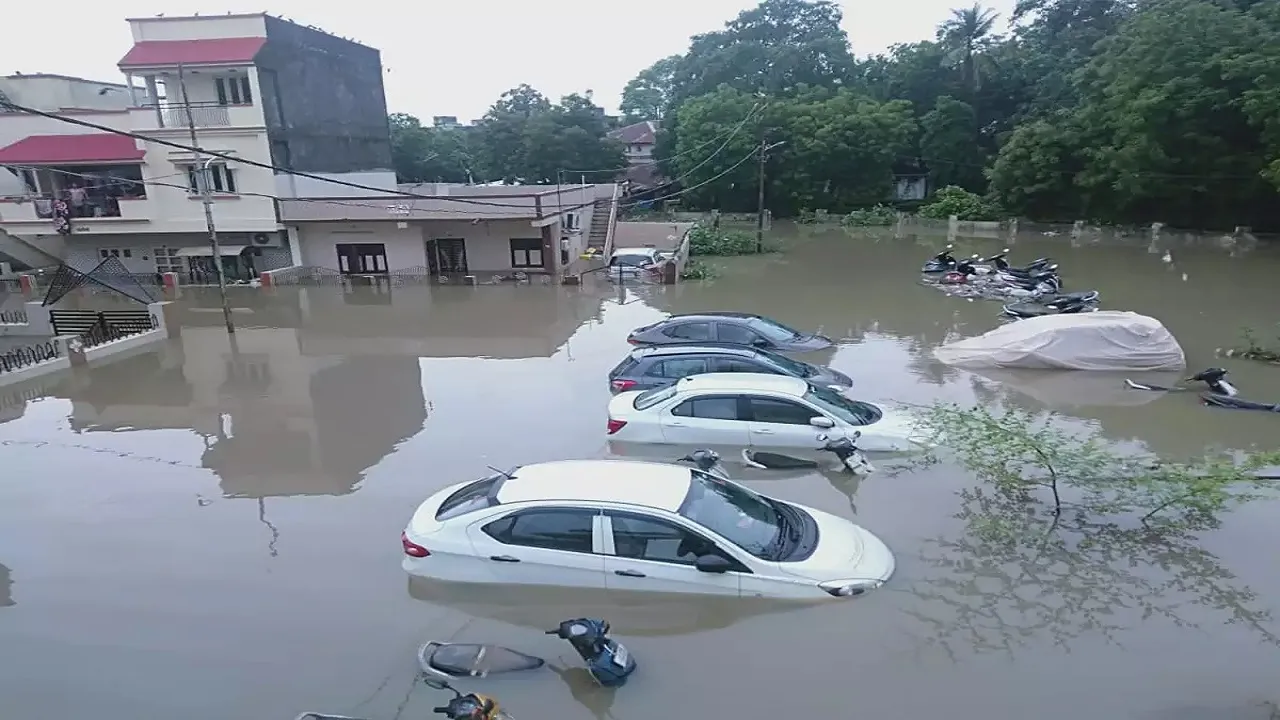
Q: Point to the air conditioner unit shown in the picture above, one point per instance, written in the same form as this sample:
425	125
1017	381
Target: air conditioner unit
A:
266	239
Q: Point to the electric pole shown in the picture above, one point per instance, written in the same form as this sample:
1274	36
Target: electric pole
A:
206	197
764	154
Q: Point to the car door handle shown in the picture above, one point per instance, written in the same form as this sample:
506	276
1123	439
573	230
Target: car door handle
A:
504	558
764	431
628	573
676	424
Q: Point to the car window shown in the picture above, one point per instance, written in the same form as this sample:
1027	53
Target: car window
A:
677	368
708	408
850	411
783	412
733	512
774	331
642	538
553	529
689	331
631	260
727	364
730	333
476	496
656	396
794	368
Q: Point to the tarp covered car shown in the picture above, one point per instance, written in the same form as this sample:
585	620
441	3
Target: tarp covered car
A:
1107	340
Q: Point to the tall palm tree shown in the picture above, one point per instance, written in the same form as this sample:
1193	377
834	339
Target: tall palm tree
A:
965	34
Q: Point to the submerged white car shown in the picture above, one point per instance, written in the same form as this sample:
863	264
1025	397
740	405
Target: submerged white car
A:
627	525
731	411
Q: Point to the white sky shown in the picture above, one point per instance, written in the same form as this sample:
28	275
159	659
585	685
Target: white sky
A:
454	57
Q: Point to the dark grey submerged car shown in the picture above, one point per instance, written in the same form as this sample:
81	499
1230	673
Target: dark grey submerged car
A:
646	368
728	327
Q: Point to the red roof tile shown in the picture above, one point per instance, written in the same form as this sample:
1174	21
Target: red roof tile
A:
71	149
641	133
171	53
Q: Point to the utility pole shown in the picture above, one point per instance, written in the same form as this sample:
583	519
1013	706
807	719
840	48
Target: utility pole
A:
206	197
763	152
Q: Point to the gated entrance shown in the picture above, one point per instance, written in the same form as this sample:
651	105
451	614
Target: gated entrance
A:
79	322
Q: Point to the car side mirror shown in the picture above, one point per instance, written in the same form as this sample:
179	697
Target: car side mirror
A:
819	421
712	564
760	343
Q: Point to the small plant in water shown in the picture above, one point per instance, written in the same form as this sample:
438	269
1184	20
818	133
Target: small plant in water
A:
1253	348
695	270
877	216
705	240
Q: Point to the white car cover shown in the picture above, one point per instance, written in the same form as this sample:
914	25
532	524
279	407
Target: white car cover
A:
1107	340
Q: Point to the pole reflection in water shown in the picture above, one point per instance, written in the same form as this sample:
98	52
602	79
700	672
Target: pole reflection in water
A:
6	587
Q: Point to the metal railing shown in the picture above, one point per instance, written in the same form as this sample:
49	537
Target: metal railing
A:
90	207
104	331
13	317
28	355
205	114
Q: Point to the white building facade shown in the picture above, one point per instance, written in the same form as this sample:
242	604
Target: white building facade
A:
84	194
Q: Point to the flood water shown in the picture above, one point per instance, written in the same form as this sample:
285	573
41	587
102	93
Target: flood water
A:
209	531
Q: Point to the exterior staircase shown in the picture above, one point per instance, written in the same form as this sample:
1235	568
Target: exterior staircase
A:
23	254
599	234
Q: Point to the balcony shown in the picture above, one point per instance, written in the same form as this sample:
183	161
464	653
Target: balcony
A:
177	116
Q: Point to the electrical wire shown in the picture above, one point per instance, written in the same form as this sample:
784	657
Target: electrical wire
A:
383	192
691	188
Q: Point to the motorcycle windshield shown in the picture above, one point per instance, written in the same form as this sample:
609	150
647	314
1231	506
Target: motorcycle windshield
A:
462	660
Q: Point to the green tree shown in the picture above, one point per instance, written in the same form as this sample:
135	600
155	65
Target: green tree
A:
966	35
524	138
647	95
948	145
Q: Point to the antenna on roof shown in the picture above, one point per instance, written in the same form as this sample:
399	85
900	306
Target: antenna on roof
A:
504	473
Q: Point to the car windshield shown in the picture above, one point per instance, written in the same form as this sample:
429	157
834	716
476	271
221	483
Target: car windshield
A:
632	260
734	513
775	332
795	367
649	398
850	411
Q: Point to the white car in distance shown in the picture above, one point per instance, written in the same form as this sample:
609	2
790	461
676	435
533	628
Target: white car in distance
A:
641	526
731	411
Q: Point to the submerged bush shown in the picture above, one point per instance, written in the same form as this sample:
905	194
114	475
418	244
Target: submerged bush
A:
1254	348
705	240
876	216
954	200
694	270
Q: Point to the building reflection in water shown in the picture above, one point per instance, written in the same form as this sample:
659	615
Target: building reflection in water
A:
276	422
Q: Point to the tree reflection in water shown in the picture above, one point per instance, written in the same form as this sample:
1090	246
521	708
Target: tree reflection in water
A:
1019	574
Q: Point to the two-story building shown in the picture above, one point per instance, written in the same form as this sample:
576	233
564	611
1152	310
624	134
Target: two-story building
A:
638	142
272	95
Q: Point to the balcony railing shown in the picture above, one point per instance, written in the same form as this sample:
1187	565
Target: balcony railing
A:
204	114
90	206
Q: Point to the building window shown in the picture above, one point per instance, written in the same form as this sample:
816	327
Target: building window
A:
167	260
571	221
234	90
526	253
105	253
221	177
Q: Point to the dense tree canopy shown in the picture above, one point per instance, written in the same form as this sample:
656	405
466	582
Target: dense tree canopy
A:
523	138
1122	111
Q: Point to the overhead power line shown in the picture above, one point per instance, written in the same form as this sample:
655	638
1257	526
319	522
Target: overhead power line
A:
251	163
690	151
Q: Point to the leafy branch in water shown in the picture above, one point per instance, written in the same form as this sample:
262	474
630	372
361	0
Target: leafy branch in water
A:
1026	455
1066	533
1254	348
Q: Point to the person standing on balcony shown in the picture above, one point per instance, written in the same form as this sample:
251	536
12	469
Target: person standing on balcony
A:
77	200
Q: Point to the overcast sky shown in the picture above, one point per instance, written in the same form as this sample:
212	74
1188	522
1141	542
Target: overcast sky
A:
454	57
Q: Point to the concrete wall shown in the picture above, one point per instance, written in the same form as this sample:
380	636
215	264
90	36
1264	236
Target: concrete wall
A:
326	111
204	27
58	92
292	186
487	242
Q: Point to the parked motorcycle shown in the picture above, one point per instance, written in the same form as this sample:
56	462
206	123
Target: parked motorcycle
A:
1001	264
941	262
1057	307
1214	377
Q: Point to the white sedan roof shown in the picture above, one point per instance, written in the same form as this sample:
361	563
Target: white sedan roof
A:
743	382
648	484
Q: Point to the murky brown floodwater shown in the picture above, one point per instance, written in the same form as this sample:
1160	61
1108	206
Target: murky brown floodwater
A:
210	531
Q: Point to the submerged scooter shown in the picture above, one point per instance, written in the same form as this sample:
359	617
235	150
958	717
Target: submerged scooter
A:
471	706
608	661
1214	377
941	262
845	449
